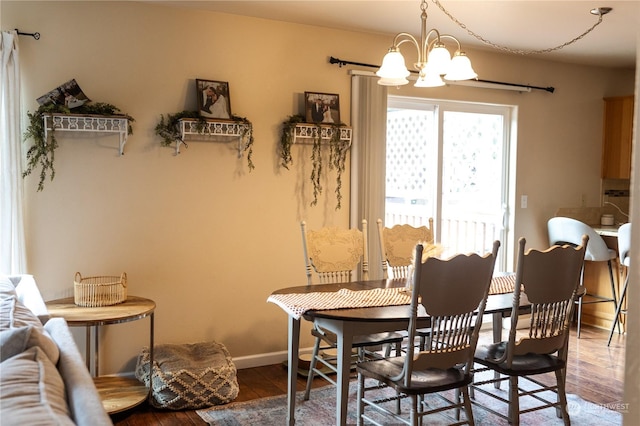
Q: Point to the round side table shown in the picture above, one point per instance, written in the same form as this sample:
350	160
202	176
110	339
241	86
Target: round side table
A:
117	393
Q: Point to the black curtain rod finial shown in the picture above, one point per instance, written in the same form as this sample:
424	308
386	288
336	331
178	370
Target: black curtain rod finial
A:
340	63
35	35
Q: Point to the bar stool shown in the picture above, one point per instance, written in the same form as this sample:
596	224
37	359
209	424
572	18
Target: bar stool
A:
624	244
563	230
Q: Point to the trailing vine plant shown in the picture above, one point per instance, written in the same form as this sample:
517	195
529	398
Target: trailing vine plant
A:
286	138
42	152
169	130
337	154
337	158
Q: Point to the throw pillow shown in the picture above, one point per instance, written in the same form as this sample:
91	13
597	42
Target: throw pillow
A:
15	340
32	391
13	314
7	289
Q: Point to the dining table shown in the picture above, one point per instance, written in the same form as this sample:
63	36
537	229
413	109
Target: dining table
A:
364	307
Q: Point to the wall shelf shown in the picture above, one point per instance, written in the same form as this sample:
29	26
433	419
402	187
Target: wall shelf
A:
192	129
88	123
306	133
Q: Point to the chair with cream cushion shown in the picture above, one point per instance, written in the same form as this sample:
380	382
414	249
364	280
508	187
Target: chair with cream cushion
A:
334	255
397	248
624	245
397	245
564	230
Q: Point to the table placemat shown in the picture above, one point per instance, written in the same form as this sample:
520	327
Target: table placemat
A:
503	284
296	304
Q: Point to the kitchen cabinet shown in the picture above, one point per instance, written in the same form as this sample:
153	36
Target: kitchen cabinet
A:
617	132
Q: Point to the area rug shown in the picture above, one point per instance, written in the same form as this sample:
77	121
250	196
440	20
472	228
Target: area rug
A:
320	410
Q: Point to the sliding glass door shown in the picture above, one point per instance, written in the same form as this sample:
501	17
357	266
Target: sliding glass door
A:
449	161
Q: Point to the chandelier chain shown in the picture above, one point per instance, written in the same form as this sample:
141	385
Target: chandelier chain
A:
508	49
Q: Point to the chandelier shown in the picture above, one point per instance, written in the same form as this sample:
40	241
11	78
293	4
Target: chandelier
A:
434	60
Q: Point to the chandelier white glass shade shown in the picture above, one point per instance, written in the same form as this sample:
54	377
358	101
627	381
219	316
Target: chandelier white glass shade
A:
434	60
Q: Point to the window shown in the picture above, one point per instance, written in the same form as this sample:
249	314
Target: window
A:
449	161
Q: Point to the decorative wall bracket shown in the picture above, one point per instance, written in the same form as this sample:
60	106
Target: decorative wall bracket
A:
88	123
306	133
192	129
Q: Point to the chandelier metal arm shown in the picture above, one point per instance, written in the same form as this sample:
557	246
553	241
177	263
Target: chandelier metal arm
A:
447	36
401	38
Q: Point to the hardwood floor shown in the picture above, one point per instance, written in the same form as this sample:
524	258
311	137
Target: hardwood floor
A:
595	373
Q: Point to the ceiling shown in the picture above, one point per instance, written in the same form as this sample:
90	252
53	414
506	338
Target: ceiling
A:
517	24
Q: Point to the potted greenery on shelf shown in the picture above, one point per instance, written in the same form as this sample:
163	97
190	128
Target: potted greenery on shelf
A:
42	152
169	130
338	149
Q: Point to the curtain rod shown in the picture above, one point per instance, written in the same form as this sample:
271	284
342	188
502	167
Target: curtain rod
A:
34	35
342	62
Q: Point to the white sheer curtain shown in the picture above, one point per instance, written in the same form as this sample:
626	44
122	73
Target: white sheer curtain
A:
12	242
368	160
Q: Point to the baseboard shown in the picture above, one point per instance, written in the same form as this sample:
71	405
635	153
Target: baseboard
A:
259	360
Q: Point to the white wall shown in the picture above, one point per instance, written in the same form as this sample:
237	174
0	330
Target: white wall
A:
198	233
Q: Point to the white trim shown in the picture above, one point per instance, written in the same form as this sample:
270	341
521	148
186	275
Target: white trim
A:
260	360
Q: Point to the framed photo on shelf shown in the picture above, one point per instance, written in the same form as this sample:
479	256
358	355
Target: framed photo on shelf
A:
213	99
68	94
322	107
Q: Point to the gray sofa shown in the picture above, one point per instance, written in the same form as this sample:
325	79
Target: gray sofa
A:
44	378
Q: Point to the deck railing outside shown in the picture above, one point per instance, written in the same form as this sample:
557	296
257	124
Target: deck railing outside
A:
462	233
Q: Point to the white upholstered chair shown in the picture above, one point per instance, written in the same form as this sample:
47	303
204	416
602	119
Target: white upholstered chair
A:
397	245
624	246
334	255
564	230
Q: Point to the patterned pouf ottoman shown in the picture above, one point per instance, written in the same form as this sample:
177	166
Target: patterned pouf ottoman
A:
189	376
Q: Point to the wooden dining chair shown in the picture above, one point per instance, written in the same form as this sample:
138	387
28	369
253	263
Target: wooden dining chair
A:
550	279
397	245
453	293
397	248
334	255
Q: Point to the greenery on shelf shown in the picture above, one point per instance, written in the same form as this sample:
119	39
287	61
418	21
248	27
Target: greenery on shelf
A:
169	130
42	152
337	153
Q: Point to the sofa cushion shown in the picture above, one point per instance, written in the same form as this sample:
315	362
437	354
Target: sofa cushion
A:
7	289
32	391
15	340
14	315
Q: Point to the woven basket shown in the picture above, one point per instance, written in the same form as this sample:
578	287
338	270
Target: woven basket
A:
99	291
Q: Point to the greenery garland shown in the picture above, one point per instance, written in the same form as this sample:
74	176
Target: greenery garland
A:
42	153
337	154
169	130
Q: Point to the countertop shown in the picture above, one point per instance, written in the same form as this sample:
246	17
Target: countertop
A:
607	231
